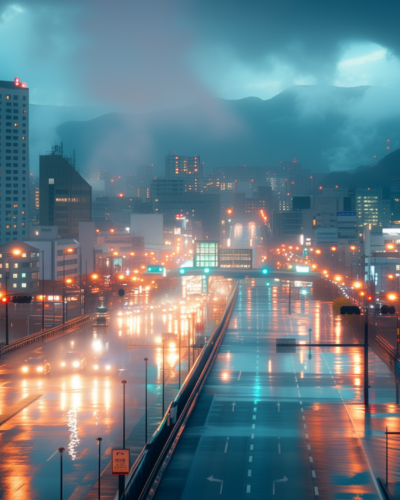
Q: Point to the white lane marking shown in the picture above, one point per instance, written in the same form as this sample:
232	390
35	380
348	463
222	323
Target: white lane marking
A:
52	456
313	473
254	417
248	489
279	448
226	447
305	426
303	417
254	409
212	479
249	473
311	460
316	491
252	436
240	374
306	436
250	458
233	406
253	426
283	480
251	447
301	402
279	406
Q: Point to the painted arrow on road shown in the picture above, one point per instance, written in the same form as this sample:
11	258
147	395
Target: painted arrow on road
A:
212	479
233	406
279	406
283	480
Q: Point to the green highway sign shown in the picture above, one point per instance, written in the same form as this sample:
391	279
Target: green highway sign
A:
155	269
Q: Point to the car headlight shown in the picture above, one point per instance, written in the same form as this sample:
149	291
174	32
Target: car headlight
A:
75	364
108	367
24	369
39	368
63	363
96	367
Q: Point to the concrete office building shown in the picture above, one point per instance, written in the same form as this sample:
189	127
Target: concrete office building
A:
19	265
14	160
65	197
187	167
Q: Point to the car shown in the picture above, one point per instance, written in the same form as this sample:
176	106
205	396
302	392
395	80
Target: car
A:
103	366
73	361
35	366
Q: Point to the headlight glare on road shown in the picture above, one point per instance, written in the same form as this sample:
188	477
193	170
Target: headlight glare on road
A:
25	369
39	368
96	367
108	367
75	364
63	363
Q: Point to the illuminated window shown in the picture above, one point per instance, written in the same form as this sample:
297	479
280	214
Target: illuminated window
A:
23	275
23	285
16	266
15	275
14	285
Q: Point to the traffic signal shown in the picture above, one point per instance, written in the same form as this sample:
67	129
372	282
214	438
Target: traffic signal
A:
181	271
21	299
388	309
369	298
349	310
121	292
265	271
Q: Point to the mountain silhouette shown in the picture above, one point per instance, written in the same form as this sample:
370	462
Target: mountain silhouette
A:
325	128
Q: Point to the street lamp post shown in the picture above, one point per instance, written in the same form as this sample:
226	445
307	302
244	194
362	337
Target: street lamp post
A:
61	450
145	402
121	479
163	377
290	295
6	276
63	290
179	359
99	440
42	252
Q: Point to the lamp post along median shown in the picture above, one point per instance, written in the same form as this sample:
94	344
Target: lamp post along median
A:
121	479
145	402
99	440
61	450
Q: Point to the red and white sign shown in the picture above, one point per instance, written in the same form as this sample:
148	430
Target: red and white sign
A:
120	462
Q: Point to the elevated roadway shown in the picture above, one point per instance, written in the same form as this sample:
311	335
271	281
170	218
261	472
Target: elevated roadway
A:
284	425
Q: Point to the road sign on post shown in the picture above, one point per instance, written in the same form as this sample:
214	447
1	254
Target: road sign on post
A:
155	269
120	462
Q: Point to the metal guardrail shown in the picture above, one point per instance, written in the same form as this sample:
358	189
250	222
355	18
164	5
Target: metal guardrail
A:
55	332
146	466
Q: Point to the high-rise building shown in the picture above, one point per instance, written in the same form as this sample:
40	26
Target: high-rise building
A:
187	167
65	198
14	160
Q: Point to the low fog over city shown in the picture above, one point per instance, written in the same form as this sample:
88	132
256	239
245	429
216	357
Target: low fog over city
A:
199	250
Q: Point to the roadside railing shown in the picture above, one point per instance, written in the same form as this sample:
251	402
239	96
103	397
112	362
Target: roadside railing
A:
144	470
55	332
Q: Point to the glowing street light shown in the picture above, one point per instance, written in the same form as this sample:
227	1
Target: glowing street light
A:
16	251
390	246
333	249
392	296
357	284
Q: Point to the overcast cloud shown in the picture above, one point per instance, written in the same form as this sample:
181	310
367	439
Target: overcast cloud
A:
164	53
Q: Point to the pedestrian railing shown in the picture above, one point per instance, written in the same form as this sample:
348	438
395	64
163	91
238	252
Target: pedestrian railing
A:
55	332
146	466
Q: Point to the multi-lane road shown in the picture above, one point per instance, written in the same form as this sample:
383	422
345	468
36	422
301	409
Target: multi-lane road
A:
285	425
72	409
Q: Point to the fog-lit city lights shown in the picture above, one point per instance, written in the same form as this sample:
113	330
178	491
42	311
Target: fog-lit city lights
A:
357	285
16	251
390	246
333	249
392	296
